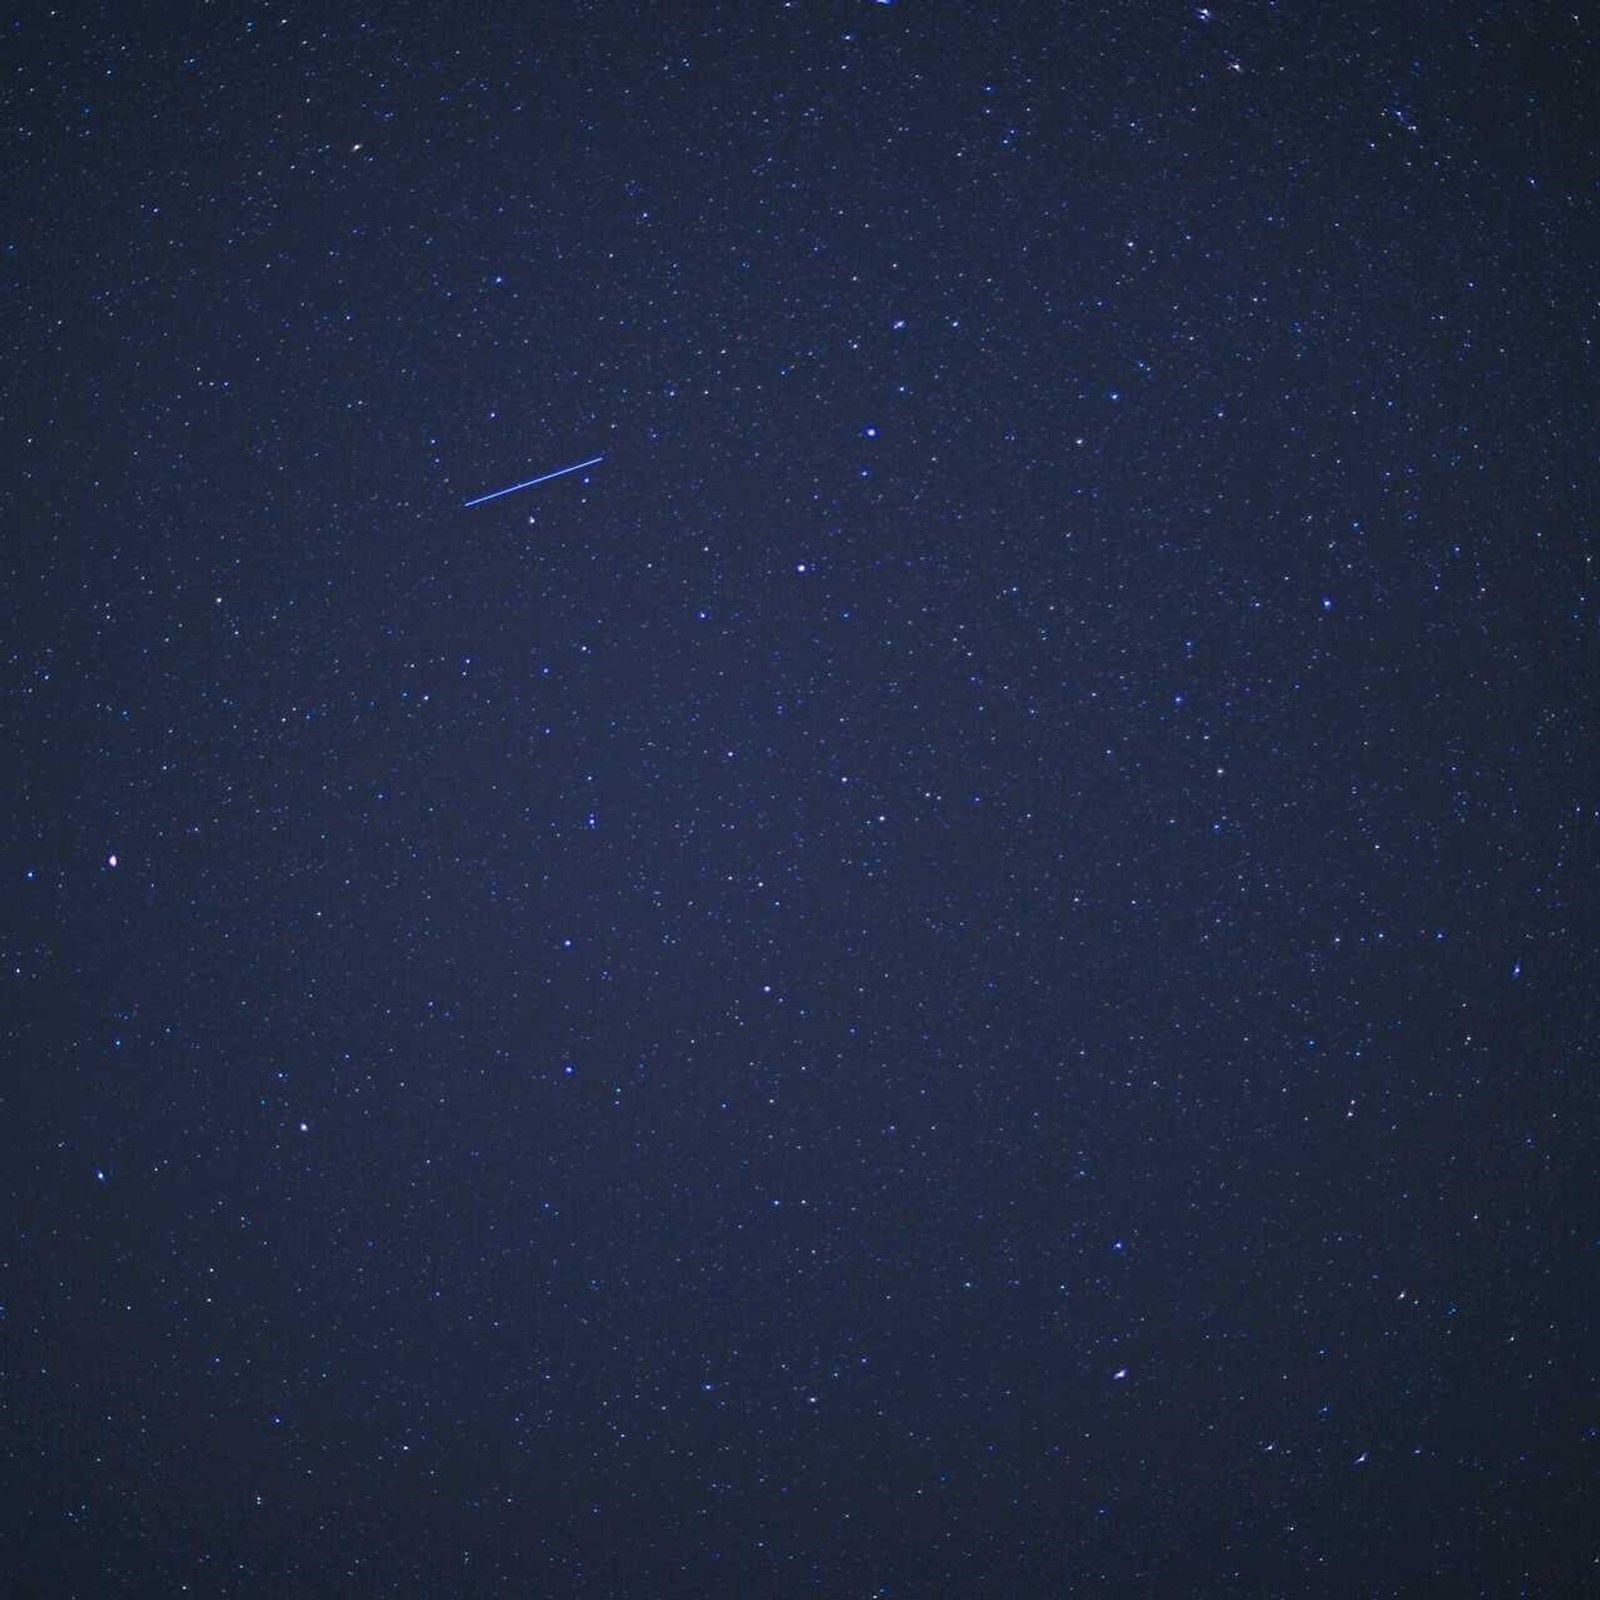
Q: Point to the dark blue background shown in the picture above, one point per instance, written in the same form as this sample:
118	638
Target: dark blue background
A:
968	969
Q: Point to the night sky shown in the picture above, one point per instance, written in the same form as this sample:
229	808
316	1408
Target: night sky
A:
967	968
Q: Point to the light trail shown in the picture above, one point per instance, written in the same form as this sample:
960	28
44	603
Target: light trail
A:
560	472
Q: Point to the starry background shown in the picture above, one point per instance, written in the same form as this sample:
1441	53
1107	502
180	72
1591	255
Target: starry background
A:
968	968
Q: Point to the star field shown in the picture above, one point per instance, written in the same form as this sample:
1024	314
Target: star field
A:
961	963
